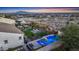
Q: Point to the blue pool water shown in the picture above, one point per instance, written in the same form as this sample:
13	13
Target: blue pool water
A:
47	40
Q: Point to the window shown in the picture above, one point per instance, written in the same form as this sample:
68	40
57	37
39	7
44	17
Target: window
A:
5	41
20	38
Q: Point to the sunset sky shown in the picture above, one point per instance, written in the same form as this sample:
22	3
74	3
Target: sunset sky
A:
39	9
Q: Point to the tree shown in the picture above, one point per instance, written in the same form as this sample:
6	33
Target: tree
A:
70	37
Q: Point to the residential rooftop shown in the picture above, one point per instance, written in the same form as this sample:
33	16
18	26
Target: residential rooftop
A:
4	27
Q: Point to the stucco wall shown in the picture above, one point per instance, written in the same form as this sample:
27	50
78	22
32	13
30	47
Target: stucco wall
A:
13	40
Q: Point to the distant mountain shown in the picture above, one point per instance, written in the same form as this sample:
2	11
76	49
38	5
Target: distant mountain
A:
19	12
23	12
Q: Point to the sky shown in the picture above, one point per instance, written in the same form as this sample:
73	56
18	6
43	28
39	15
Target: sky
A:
38	9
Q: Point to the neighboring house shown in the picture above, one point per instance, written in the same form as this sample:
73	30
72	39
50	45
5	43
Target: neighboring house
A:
22	21
35	31
6	20
10	36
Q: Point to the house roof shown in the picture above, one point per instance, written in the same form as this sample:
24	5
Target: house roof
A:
4	27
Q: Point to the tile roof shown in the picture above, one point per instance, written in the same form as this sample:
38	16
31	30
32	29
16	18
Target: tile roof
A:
4	27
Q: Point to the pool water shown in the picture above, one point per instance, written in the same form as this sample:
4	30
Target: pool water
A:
48	40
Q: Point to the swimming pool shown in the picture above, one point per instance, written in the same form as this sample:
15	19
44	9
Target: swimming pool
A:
48	40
